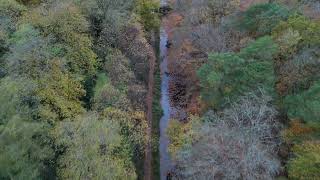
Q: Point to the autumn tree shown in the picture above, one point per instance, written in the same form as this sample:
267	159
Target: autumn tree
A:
69	29
304	165
93	149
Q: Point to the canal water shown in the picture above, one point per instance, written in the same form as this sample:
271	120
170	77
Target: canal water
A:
165	161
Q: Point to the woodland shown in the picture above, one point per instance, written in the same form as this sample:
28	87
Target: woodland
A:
80	89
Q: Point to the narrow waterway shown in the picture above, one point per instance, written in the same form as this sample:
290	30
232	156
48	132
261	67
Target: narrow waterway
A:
165	161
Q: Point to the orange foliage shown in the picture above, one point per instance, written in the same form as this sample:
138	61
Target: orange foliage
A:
296	129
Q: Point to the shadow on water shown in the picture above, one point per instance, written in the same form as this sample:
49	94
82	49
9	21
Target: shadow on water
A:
165	161
169	111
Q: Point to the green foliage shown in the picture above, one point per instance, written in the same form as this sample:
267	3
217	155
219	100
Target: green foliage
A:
305	105
9	95
308	30
262	49
24	142
92	149
288	41
118	69
22	154
49	52
227	76
132	128
69	28
262	18
298	73
11	8
29	2
305	165
182	135
29	53
59	94
108	19
106	95
147	10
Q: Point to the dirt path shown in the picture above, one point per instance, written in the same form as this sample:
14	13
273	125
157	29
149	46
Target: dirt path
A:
148	149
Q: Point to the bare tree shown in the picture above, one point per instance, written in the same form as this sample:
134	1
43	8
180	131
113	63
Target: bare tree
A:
238	144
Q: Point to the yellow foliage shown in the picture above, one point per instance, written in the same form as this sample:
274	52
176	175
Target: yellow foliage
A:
182	134
59	94
69	27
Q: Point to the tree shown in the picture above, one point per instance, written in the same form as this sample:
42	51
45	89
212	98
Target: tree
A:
64	22
148	12
92	149
118	69
59	94
308	30
263	49
182	134
238	143
25	145
10	10
221	8
132	129
227	75
106	95
298	73
29	53
262	18
305	105
305	164
29	2
108	18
